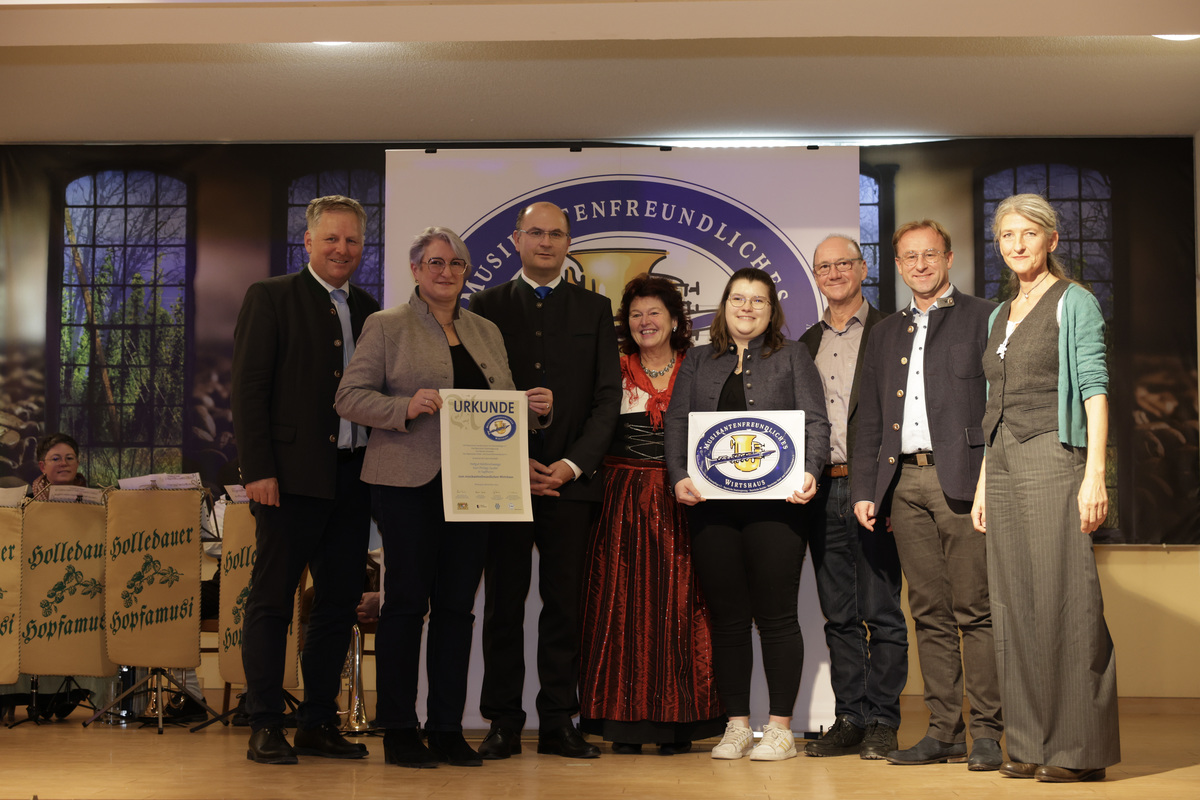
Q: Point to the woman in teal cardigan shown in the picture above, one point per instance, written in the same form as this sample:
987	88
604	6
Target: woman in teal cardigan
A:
1040	495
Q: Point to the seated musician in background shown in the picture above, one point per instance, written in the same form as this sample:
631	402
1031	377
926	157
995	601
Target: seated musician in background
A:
58	459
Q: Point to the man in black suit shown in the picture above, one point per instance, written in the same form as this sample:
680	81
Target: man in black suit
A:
560	336
857	571
300	464
918	452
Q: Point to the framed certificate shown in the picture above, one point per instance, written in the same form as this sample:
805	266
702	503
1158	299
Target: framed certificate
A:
485	456
741	454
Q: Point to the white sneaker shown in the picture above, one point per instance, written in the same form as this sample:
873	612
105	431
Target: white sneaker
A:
736	742
777	744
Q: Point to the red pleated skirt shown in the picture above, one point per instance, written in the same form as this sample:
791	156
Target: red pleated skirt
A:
646	656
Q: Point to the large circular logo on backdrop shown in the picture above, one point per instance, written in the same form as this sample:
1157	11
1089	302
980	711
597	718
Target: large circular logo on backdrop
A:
624	225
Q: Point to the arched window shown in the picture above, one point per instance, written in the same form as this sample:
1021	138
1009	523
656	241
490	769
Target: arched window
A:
1083	199
365	186
122	319
876	221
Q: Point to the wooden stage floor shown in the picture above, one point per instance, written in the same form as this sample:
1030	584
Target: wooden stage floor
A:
65	760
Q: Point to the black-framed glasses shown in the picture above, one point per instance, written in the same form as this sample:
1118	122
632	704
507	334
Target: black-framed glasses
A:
537	233
739	300
911	258
438	265
841	265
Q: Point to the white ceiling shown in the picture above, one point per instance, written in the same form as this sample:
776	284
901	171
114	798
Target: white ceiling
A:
611	70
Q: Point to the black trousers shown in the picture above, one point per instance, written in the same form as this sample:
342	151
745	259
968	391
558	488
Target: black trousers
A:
430	567
330	538
560	531
747	556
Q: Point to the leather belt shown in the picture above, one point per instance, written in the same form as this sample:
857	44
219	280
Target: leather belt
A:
836	471
346	454
919	459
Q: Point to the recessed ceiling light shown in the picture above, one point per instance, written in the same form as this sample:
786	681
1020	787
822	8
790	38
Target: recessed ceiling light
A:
1177	37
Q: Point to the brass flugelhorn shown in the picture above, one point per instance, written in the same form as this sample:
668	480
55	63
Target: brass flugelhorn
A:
355	708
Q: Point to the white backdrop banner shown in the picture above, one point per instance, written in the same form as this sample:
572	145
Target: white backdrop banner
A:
692	215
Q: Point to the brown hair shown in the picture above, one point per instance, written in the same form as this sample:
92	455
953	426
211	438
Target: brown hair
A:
916	225
656	286
334	202
773	337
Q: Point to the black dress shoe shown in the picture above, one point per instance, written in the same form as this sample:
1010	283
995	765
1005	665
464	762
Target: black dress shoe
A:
878	741
327	741
985	756
842	739
566	742
929	751
404	748
1018	769
674	748
451	748
1051	774
500	743
270	746
626	749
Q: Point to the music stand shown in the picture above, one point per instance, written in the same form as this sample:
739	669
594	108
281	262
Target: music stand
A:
154	683
32	711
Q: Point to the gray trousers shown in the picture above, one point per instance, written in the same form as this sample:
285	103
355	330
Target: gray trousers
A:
1058	670
945	562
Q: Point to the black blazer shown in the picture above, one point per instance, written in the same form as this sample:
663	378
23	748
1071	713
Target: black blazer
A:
566	343
956	395
287	363
812	339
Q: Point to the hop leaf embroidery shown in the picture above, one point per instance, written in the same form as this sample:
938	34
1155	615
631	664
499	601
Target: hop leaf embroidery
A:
73	581
151	570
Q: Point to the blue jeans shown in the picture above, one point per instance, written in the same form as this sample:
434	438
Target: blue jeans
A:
858	584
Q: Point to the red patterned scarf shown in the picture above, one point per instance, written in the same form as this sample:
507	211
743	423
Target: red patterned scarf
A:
635	378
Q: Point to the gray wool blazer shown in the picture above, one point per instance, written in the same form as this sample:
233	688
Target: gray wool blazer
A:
400	351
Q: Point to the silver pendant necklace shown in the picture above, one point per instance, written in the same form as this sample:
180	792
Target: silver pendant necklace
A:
658	373
1035	285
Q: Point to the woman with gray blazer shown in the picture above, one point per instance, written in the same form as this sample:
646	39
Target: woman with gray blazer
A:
430	565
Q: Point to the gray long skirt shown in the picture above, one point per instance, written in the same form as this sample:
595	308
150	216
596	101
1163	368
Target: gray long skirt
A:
1057	668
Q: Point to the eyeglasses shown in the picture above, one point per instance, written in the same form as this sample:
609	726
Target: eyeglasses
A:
438	265
843	265
739	300
538	233
911	258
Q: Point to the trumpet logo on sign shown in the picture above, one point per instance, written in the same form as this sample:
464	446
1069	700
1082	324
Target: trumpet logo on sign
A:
745	454
744	444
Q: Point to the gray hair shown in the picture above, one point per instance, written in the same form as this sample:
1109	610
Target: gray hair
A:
1037	210
853	243
416	253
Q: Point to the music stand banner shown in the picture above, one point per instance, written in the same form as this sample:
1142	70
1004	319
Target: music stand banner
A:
10	594
63	626
237	562
154	556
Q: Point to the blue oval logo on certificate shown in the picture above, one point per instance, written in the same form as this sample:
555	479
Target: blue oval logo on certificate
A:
745	455
499	428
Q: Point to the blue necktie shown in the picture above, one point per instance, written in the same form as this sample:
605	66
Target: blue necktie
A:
347	438
542	291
